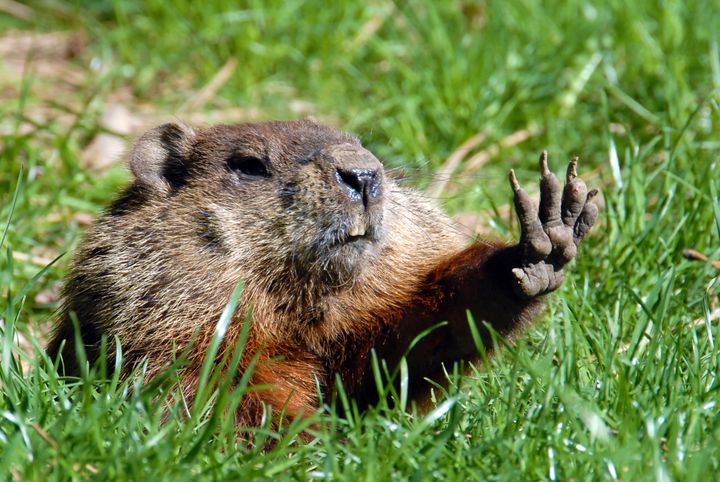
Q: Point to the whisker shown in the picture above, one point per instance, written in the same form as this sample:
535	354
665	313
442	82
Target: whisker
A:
451	224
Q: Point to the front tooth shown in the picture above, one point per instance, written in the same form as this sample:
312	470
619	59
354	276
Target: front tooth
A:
358	228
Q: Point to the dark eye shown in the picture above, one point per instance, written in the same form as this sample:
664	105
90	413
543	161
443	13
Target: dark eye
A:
248	165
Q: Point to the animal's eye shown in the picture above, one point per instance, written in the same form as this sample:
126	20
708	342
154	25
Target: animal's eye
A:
248	165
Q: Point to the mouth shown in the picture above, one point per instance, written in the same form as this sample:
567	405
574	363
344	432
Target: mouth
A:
357	239
359	230
344	249
352	235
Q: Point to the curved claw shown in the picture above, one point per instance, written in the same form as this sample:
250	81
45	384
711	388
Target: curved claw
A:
572	170
513	180
550	195
544	170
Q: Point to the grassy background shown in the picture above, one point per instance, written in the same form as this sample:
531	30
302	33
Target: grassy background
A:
617	381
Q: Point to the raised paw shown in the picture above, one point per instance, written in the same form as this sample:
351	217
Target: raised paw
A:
551	233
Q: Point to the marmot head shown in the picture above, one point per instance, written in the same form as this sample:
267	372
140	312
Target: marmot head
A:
293	196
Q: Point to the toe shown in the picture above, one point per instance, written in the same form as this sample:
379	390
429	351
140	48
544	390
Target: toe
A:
564	247
571	170
532	236
574	196
528	284
557	279
587	217
550	195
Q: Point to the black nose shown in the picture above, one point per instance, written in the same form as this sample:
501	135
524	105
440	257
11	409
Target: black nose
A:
360	184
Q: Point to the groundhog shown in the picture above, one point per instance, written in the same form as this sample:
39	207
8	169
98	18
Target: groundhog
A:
336	261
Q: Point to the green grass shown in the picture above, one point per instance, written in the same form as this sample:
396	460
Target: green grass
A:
618	380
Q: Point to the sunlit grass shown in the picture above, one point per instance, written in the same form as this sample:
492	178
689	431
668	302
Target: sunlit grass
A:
618	380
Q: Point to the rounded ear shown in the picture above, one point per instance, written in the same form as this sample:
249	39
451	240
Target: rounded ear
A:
159	157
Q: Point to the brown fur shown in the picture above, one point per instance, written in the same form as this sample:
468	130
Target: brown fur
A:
160	265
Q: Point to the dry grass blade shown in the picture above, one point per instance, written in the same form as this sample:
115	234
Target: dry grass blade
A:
442	176
44	435
369	28
108	147
21	46
517	137
204	95
695	255
16	9
29	258
23	342
712	316
479	159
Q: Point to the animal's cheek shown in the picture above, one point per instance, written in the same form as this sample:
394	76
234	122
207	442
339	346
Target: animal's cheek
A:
318	182
314	199
306	226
